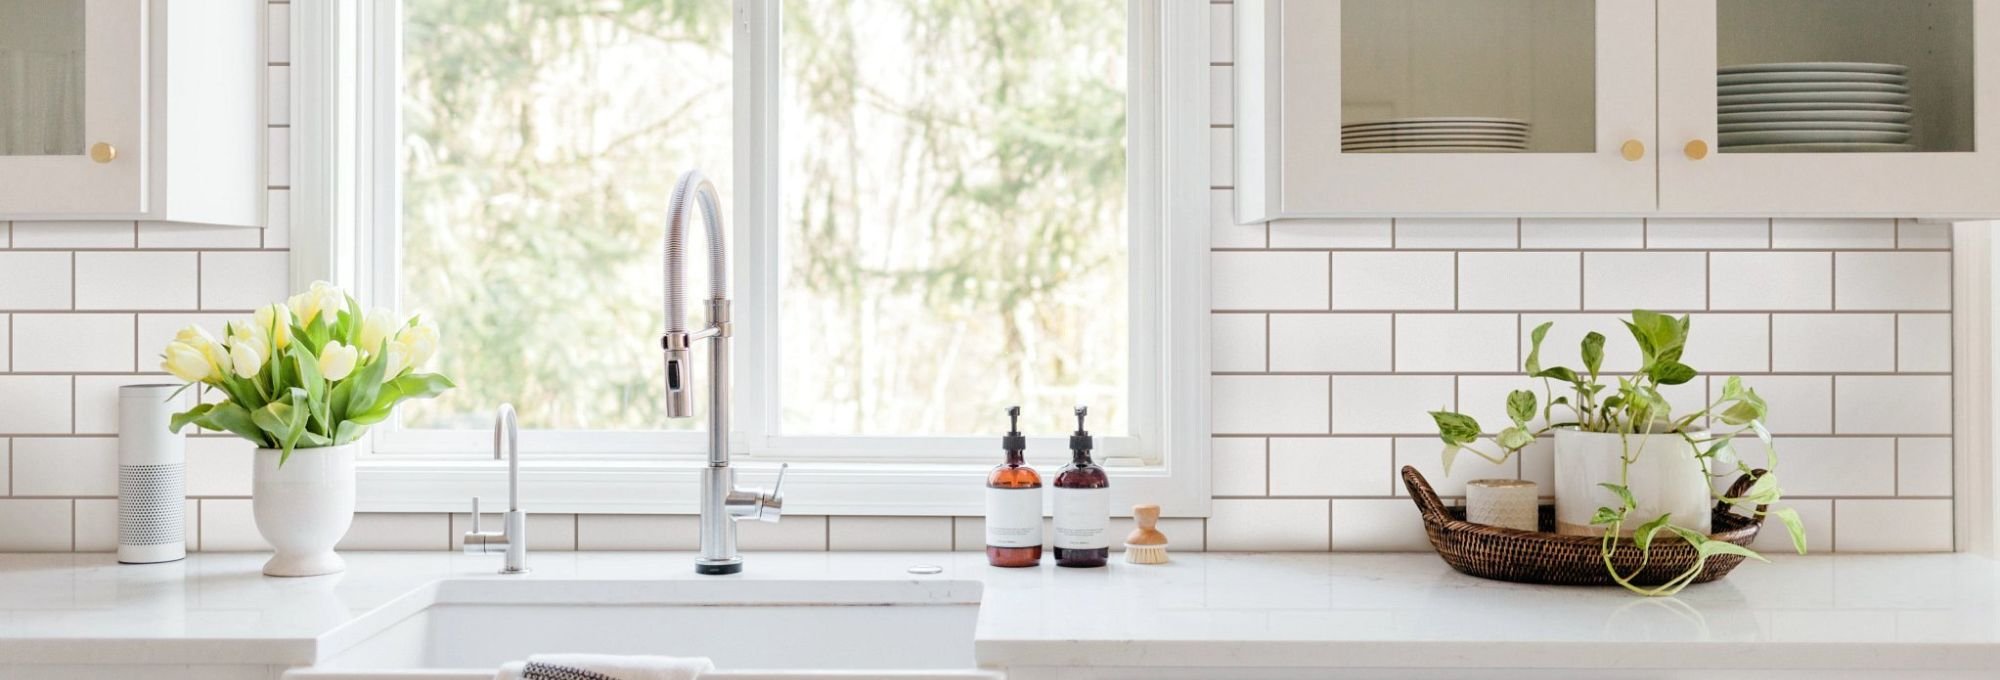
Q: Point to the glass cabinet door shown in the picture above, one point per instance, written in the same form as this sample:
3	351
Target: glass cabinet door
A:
1825	106
41	77
1459	106
72	108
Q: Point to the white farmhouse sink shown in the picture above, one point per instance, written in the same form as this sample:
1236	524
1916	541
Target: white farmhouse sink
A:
468	628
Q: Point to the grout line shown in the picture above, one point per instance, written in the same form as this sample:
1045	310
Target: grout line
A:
1833	280
1267	466
1708	281
1896	458
1420	249
1267	343
72	525
1896	341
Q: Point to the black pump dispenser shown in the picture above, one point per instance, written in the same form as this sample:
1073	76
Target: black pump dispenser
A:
1080	442
1014	443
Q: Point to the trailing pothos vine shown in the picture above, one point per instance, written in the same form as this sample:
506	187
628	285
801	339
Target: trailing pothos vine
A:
1634	410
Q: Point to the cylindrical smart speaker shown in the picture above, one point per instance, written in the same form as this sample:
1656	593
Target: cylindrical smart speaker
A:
152	481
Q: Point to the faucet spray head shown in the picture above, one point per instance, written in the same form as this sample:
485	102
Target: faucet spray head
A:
680	375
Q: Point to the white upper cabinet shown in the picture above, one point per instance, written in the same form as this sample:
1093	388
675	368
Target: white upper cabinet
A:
1616	107
1837	107
131	109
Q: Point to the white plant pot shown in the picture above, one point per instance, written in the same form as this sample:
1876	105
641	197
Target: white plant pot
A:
1664	479
304	507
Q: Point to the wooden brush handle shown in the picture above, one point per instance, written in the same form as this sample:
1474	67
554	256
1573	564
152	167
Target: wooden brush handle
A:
1146	515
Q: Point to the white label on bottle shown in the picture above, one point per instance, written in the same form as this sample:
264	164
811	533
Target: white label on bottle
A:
1083	518
1014	517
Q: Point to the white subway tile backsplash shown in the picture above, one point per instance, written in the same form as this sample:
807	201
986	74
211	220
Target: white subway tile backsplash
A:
1268	404
1236	342
228	525
1817	516
1708	233
1378	525
1638	280
1471	343
1832	233
278	95
6	343
1221	31
638	532
243	280
6	234
1457	233
1799	404
277	231
135	280
1892	525
186	235
1237	466
1837	466
1223	231
1331	342
96	525
1268	524
1914	234
1520	280
1771	280
278	157
1563	344
1892	404
1833	342
74	234
1286	280
35	280
219	466
546	531
1221	157
1394	281
808	534
1426	455
34	404
6	467
35	524
1221	96
73	342
1331	233
1893	281
1923	466
65	466
1484	398
1923	342
1331	466
1389	404
889	533
97	399
1595	234
1723	343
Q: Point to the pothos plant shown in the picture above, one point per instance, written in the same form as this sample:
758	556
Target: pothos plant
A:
1636	407
313	371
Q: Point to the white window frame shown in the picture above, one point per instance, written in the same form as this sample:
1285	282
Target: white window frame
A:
345	205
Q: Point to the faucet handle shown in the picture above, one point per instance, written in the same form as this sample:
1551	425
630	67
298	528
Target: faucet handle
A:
475	515
773	501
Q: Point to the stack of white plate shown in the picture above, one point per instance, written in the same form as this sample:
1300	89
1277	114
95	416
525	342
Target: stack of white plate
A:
1818	106
1445	134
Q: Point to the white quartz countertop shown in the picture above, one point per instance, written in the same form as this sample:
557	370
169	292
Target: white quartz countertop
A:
1218	609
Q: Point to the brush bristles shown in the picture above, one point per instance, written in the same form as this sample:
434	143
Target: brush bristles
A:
1145	554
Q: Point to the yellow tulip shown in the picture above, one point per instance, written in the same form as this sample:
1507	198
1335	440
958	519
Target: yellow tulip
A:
188	363
321	299
274	322
419	342
336	360
245	360
379	326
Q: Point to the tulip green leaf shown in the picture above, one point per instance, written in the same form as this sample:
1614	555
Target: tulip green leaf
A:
193	415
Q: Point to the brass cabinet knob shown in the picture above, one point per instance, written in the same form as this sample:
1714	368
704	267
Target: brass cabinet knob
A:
1696	149
103	152
1632	150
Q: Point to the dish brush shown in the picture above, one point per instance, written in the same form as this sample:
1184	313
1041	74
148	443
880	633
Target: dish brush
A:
1146	545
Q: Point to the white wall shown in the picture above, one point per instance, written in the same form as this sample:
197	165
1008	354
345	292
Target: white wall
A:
1331	340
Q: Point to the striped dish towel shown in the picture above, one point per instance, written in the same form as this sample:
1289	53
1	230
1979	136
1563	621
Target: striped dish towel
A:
605	667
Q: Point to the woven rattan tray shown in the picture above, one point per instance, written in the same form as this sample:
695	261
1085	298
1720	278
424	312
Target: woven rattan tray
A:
1546	557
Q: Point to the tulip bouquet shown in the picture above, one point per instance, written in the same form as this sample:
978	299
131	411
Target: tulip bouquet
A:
309	372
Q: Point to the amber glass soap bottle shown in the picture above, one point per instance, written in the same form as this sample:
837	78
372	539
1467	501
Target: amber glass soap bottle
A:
1014	504
1083	505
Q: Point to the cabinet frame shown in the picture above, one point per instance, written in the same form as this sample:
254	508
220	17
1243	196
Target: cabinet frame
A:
116	45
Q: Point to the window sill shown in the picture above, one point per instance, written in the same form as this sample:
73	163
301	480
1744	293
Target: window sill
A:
670	487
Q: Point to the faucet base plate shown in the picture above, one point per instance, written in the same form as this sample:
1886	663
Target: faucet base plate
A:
718	569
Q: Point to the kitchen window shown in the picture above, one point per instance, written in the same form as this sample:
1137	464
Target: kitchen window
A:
936	211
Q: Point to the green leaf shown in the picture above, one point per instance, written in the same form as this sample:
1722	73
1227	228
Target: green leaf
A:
1513	438
418	386
1644	536
1449	455
1521	406
1605	516
1764	491
1732	388
315	385
367	384
354	320
180	420
1793	526
1691	536
1624	494
348	432
1593	352
1456	428
1534	362
1668	372
233	418
1709	548
1559	373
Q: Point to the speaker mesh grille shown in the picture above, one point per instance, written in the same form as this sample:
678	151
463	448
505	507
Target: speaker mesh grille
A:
150	509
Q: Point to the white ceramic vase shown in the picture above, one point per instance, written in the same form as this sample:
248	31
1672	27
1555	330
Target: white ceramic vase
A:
304	507
1664	478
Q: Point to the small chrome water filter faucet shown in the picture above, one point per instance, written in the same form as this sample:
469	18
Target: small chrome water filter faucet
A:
722	501
513	534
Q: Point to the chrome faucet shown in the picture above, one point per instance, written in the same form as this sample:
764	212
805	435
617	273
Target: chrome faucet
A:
722	501
513	534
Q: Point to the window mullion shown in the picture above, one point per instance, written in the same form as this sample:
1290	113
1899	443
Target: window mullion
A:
755	213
